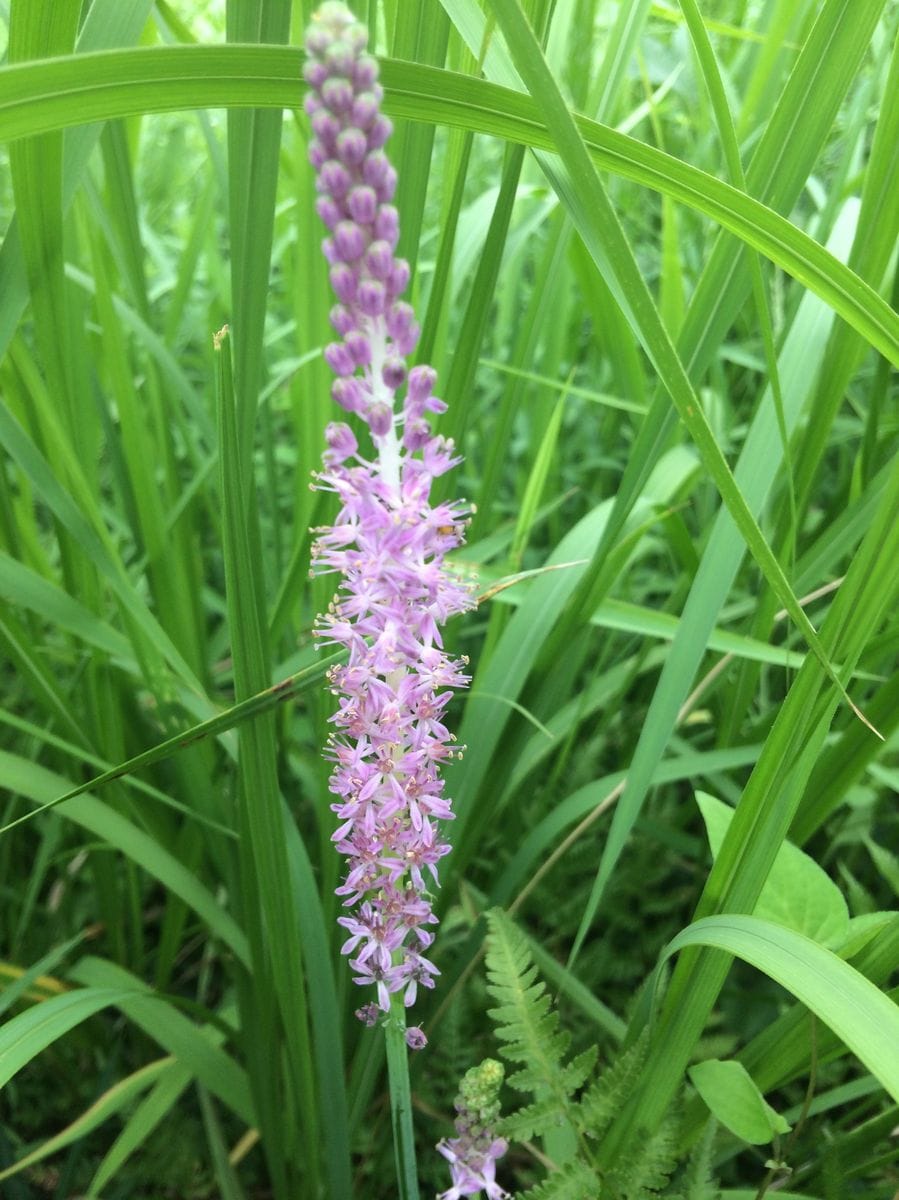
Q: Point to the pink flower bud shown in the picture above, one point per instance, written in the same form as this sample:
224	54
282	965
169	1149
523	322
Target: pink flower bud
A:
379	260
337	94
398	279
344	281
325	126
351	147
339	359
380	131
328	210
342	319
394	373
365	72
363	204
372	297
347	392
341	441
375	169
380	419
365	109
387	225
334	179
421	383
349	241
359	348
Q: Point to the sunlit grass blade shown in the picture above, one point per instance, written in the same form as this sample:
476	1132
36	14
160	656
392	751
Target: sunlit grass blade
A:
36	99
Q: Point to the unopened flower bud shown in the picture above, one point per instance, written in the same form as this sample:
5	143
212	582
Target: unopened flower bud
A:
334	179
347	392
325	125
365	109
376	169
372	297
339	359
344	281
380	419
421	383
349	241
340	58
398	279
337	94
365	72
351	147
387	225
359	347
416	1038
394	373
342	319
379	260
328	210
341	441
363	204
380	131
315	73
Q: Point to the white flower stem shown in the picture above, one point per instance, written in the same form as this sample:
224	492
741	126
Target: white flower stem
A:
388	445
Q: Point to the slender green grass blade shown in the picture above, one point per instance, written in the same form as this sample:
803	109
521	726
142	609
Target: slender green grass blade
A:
53	95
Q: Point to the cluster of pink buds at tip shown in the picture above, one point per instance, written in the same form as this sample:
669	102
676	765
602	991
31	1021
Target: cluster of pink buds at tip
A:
388	541
475	1150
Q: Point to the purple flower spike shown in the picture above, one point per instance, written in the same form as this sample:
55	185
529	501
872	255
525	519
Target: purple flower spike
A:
473	1154
388	544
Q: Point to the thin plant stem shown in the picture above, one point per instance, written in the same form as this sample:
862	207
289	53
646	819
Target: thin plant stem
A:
401	1099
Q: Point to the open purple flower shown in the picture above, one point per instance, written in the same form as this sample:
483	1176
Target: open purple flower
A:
388	542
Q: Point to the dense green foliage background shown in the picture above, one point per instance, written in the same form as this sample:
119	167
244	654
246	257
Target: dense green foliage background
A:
665	336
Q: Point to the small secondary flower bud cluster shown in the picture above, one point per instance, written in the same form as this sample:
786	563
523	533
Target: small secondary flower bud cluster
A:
387	543
474	1153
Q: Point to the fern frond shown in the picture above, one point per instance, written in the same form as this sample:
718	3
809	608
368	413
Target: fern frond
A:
576	1073
524	1018
697	1182
574	1181
533	1120
646	1169
604	1098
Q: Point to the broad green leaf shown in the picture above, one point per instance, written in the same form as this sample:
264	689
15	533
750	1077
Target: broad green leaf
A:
797	893
858	1012
735	1101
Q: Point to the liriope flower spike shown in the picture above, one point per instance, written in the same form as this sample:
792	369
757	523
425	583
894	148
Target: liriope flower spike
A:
473	1154
387	543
